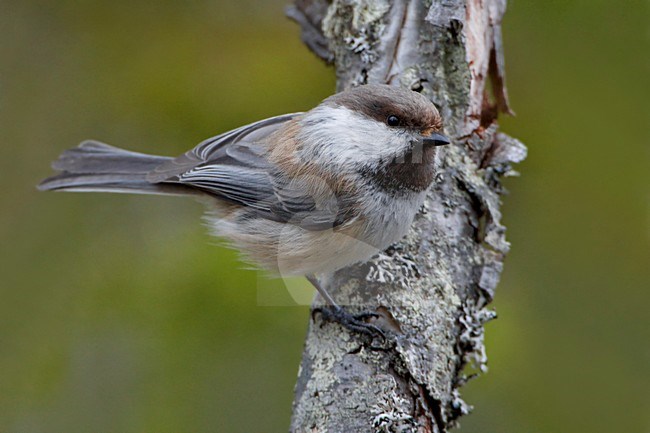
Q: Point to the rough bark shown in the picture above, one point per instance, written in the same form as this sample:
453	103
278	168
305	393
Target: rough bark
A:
432	288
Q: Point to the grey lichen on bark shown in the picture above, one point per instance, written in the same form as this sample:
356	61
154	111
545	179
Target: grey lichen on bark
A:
430	289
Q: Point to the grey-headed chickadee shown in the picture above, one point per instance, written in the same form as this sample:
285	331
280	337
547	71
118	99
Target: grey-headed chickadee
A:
298	194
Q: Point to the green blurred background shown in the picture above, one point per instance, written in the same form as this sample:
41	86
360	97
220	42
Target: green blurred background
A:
117	314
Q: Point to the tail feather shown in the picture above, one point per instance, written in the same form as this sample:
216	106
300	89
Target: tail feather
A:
95	166
96	157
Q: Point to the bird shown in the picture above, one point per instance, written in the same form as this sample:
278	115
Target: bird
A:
300	194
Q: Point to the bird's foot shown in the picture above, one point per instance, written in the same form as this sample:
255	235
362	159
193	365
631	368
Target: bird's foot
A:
353	322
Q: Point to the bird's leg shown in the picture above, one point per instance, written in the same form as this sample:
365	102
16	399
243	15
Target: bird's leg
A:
332	312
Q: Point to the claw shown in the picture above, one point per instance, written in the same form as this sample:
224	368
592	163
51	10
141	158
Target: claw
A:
353	322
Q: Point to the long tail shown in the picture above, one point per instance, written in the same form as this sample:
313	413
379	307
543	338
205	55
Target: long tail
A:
95	166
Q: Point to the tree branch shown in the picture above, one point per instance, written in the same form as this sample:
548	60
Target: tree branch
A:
431	289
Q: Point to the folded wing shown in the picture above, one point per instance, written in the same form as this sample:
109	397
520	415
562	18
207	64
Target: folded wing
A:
233	167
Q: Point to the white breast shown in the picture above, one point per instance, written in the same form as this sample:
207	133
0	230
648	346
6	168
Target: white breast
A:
289	250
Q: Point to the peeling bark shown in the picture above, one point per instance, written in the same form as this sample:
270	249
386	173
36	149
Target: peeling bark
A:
431	289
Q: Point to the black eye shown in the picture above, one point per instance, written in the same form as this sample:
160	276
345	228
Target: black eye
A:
392	120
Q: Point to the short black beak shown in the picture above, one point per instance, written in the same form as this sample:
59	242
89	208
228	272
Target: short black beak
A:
435	139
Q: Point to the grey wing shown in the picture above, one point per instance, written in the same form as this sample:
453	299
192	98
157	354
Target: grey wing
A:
233	167
243	143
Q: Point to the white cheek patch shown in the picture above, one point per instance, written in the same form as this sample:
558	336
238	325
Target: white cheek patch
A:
338	136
